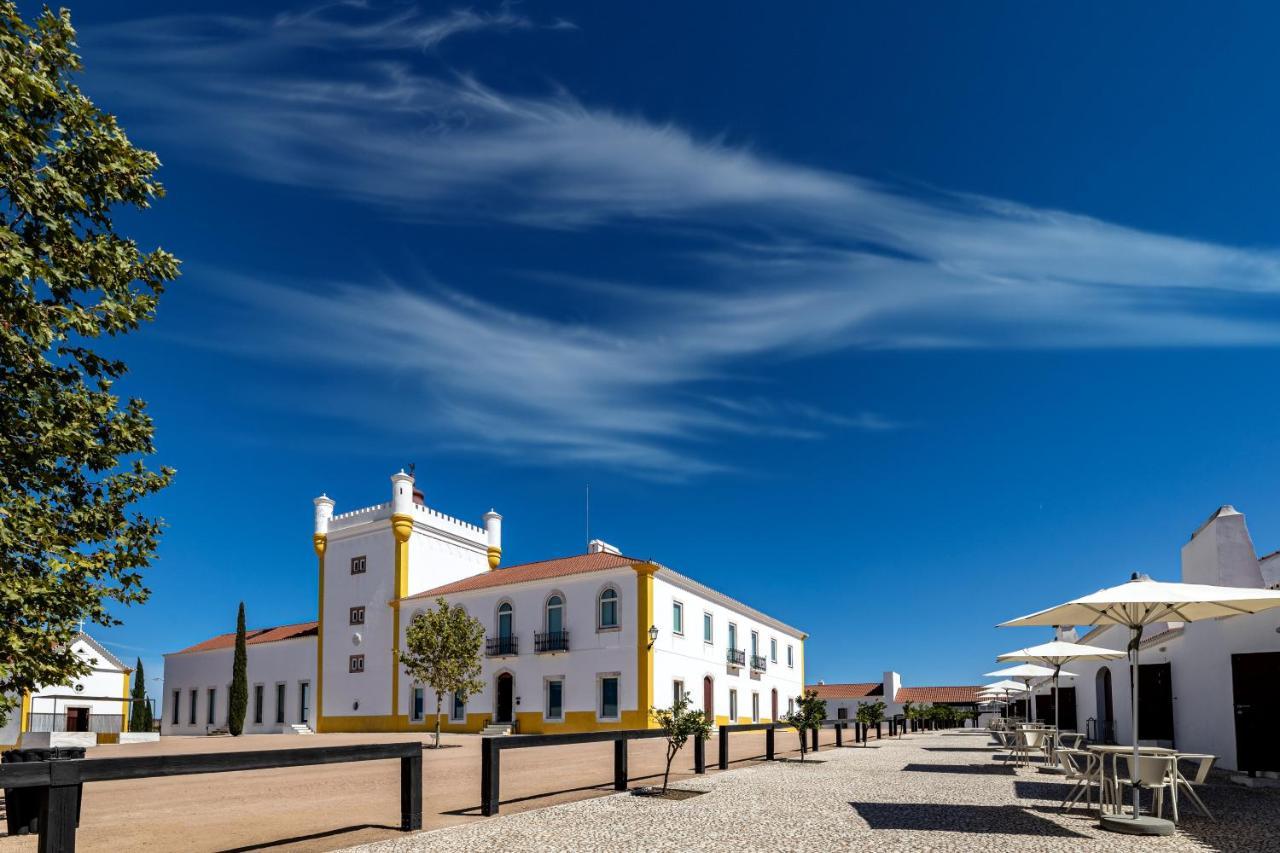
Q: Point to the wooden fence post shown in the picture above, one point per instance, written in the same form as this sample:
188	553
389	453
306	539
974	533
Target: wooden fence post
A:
620	764
59	808
411	792
490	776
768	744
813	738
699	756
723	763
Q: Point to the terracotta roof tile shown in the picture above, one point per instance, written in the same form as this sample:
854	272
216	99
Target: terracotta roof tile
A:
847	691
256	636
560	567
938	694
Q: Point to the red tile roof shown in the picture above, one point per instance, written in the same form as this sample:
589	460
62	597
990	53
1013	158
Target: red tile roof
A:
557	568
847	691
938	694
256	636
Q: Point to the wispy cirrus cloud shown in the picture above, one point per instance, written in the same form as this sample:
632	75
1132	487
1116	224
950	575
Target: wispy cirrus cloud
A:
795	261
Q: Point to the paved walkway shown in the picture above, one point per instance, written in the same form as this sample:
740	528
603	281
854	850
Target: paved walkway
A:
940	792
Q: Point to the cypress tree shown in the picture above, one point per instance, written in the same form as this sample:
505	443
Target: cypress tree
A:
139	711
239	680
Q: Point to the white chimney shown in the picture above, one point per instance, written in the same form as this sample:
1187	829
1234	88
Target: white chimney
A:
493	533
1221	552
324	512
401	493
599	546
892	684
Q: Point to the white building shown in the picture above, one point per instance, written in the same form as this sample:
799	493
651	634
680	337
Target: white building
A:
577	643
1208	686
91	709
843	699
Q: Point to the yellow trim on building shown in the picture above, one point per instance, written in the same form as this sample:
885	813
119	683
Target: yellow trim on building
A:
319	542
574	722
402	529
644	649
24	719
126	707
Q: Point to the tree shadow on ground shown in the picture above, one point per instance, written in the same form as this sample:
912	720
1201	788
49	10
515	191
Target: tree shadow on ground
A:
957	749
315	836
958	817
969	769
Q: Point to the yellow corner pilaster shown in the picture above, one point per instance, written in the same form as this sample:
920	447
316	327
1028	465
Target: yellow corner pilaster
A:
402	529
319	541
644	650
24	720
126	706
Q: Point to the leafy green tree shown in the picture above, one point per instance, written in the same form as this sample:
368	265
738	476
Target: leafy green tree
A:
139	709
71	451
870	713
806	716
678	724
239	680
443	652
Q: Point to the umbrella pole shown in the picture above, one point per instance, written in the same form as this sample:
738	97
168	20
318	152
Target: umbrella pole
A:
1136	632
1057	696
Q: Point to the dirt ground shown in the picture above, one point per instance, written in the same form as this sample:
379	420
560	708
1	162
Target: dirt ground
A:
332	806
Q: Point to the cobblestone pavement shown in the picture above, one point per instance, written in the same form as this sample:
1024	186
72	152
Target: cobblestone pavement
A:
939	792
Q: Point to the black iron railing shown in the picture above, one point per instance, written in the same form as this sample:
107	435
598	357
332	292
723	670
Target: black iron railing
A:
104	723
736	657
758	662
551	641
498	646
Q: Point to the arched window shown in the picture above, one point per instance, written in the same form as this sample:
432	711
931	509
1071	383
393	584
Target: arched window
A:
555	614
609	608
504	620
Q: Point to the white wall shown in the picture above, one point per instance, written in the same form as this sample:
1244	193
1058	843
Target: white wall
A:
373	589
690	659
105	679
288	662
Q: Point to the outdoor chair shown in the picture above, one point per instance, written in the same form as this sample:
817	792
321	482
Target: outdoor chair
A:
1026	742
1070	740
1081	768
1155	773
1204	763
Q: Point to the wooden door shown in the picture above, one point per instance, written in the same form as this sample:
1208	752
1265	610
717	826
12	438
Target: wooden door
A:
709	699
502	714
1255	684
775	705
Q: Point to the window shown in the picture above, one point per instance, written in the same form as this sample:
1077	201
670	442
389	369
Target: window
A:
791	659
733	636
212	709
419	706
304	701
257	704
755	643
357	616
357	565
791	706
191	717
609	608
555	698
459	710
280	702
677	692
355	663
842	713
755	707
555	614
177	706
773	649
609	697
677	618
733	706
504	620
707	628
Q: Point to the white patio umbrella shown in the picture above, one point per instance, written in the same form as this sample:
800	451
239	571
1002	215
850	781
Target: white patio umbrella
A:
1136	604
1028	672
1056	653
1002	688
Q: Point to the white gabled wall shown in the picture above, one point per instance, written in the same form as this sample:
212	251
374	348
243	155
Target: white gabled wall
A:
373	589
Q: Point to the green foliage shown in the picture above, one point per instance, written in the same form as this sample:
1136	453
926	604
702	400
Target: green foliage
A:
443	652
239	680
808	714
679	723
71	452
870	713
139	711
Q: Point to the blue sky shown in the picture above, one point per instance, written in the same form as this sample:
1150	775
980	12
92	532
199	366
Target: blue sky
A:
895	321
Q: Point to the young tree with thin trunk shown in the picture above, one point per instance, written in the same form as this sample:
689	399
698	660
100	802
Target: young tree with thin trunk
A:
807	716
239	680
443	653
870	714
678	724
72	452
